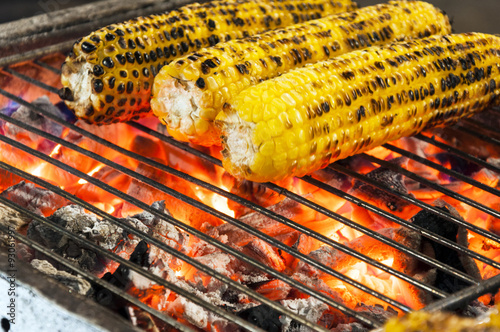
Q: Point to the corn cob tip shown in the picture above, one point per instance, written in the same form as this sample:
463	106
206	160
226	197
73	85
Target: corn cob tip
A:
178	103
77	90
238	140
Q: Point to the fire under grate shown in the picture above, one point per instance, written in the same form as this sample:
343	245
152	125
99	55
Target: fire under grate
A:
454	183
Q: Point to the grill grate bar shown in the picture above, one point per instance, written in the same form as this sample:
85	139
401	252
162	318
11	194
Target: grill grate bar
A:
435	237
47	66
136	268
484	128
466	295
483	137
220	215
30	80
195	232
451	173
412	200
458	152
160	244
115	290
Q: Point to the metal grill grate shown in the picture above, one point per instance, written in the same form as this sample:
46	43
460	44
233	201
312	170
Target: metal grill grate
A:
447	301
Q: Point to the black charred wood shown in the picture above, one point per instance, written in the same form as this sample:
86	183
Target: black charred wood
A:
120	278
140	256
264	317
449	230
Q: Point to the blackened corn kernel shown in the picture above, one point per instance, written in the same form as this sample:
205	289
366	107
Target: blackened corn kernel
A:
256	122
156	39
249	61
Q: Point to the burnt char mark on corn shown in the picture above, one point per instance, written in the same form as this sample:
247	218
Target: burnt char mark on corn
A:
254	59
146	44
275	149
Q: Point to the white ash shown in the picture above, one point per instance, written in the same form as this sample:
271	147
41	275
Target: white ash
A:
35	199
350	327
32	118
310	309
101	232
76	283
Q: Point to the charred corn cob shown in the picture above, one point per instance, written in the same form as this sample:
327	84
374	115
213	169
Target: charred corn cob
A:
311	116
109	74
190	91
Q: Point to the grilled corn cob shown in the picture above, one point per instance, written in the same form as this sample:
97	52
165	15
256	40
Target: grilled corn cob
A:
109	74
190	91
311	116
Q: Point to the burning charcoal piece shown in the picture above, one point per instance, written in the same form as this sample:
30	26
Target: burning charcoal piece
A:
272	289
75	283
8	179
389	179
458	164
252	191
449	230
264	317
35	199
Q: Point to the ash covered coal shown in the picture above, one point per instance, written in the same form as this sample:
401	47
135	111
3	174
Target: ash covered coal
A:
38	200
75	283
74	219
11	218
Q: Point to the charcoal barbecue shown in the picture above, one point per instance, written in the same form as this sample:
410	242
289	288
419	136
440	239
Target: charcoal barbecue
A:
380	199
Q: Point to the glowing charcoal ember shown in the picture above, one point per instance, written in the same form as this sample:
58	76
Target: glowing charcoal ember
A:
274	290
264	253
179	209
251	191
8	179
367	275
288	208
